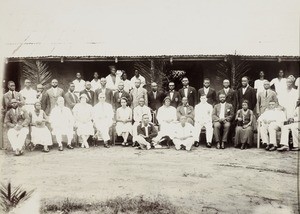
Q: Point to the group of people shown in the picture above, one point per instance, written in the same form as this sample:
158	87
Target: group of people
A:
93	109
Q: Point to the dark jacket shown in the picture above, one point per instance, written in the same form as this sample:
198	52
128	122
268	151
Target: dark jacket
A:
230	96
91	98
250	95
192	95
154	104
176	99
108	95
70	102
211	95
152	132
117	99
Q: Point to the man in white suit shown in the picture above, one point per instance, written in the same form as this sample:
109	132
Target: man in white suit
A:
203	118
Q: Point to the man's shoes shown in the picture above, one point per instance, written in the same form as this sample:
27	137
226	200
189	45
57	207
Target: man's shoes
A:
218	146
272	148
223	145
60	148
283	148
267	147
157	146
70	147
196	144
148	146
295	149
46	150
243	146
264	145
208	144
182	147
106	145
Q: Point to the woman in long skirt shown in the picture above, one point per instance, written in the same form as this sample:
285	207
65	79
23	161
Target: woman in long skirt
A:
83	120
244	129
124	121
40	134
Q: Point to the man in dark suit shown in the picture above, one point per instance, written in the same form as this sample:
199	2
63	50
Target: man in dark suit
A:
186	110
52	94
17	121
264	97
174	95
207	91
145	133
119	94
155	97
71	98
12	94
246	93
108	93
89	93
189	92
230	93
42	96
222	116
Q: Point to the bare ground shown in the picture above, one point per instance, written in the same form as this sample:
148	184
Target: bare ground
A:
201	181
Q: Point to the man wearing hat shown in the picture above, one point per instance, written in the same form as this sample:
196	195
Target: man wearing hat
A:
17	120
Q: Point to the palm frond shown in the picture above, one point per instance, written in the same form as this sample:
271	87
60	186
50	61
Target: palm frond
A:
11	198
36	71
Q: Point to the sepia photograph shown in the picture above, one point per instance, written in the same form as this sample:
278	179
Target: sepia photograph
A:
150	107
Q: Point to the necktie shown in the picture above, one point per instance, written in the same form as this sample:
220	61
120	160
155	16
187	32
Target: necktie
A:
154	95
12	95
266	93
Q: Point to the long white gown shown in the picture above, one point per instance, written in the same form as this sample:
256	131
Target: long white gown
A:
83	118
124	114
40	134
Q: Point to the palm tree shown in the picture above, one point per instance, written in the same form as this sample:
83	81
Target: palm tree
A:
233	69
36	71
10	198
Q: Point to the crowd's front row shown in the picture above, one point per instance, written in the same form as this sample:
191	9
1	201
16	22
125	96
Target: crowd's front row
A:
97	121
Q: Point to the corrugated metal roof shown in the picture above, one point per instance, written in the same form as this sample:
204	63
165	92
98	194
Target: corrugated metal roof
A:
151	28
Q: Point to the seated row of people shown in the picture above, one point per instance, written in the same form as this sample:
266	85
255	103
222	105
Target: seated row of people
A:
96	121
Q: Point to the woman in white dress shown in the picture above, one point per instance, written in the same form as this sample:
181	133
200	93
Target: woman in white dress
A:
40	134
124	121
83	120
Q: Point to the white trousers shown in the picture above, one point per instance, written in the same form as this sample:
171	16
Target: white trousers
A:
187	143
208	131
270	129
285	130
141	141
103	129
17	138
59	135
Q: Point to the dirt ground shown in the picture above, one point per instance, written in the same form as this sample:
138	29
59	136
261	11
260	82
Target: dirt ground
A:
201	181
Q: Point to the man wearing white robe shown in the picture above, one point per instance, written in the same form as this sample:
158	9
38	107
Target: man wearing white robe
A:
203	118
103	118
183	135
29	95
62	123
